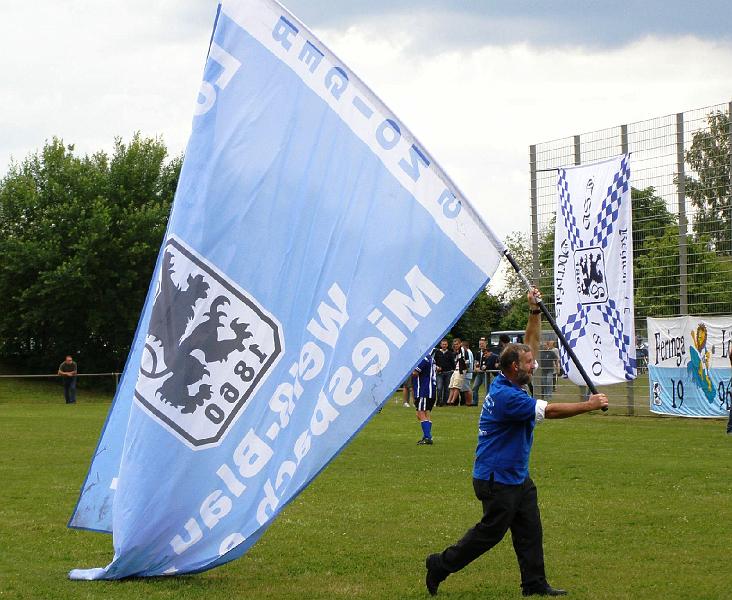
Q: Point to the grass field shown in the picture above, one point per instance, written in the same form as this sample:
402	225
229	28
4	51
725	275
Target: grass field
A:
633	508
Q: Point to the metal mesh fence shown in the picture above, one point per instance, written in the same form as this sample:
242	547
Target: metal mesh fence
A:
681	166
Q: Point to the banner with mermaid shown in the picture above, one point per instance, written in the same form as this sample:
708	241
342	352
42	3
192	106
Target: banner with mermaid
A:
689	368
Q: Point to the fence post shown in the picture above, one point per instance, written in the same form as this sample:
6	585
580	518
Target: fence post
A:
534	214
578	161
577	150
729	150
534	233
681	198
629	389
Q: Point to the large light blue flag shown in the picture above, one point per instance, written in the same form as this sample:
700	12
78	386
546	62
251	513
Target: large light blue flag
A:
314	252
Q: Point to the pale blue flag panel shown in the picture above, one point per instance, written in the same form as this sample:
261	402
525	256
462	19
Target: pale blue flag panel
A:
314	252
593	270
689	366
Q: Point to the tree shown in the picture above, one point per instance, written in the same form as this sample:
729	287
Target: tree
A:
515	316
509	301
709	158
519	246
656	263
479	319
651	220
79	238
657	289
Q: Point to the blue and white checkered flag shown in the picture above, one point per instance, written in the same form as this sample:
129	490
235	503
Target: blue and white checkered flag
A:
593	270
314	253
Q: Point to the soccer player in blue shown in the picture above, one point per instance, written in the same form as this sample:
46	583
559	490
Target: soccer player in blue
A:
501	474
424	381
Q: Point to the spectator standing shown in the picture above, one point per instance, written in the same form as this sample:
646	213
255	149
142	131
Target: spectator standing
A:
457	380
406	391
547	363
444	366
491	366
480	371
466	391
557	364
68	371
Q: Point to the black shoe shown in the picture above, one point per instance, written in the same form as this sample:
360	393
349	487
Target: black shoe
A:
422	442
428	441
432	580
544	590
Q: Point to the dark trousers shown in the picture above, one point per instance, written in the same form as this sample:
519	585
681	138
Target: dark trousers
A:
443	387
479	378
70	389
729	423
505	507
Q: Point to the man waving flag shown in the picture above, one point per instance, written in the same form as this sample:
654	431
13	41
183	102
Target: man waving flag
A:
285	306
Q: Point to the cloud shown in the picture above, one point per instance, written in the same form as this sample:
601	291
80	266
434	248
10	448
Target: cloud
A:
477	111
466	24
89	71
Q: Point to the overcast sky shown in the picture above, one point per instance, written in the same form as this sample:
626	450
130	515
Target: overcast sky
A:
476	81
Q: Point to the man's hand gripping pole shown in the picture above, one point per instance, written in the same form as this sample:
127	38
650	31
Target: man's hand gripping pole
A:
554	326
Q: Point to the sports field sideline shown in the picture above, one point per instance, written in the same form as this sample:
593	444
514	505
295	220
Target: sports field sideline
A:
632	508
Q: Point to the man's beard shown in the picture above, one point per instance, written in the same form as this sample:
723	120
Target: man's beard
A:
523	377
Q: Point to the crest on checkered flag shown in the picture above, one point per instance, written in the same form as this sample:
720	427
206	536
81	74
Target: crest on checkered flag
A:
593	270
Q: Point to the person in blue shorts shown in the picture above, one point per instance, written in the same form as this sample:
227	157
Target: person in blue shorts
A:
501	473
423	390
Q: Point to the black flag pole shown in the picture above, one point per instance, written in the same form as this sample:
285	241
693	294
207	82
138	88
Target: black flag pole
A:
554	326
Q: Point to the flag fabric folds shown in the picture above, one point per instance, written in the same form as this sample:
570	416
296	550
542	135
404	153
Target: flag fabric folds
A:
315	251
593	270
